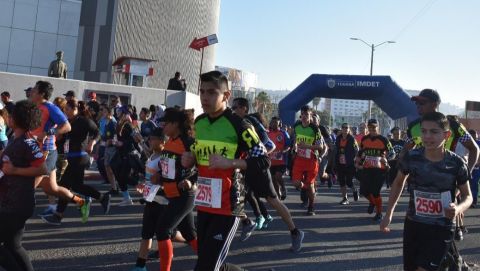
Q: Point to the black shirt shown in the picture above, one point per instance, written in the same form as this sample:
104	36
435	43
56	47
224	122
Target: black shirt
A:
82	128
175	84
17	192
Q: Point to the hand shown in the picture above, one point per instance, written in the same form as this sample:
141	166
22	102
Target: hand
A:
185	185
217	161
385	223
384	160
188	160
451	211
8	168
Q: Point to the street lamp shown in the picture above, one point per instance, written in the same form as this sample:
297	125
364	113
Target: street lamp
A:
372	46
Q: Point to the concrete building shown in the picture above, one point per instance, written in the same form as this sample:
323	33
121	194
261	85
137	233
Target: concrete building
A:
148	40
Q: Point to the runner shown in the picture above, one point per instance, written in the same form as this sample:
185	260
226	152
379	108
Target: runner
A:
346	149
108	127
277	158
475	172
220	139
308	142
397	145
54	123
78	146
362	131
21	161
435	173
372	159
178	184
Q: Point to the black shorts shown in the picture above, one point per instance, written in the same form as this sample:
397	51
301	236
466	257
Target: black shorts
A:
424	245
262	186
371	181
151	213
280	168
345	175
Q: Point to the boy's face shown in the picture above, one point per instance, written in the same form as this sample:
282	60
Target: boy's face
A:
212	98
306	117
156	144
433	136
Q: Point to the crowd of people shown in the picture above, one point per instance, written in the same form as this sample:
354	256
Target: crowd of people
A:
210	166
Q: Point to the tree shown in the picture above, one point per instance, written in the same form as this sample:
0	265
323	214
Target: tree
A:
316	102
263	103
325	118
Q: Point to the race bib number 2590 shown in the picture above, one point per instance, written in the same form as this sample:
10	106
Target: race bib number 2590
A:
431	204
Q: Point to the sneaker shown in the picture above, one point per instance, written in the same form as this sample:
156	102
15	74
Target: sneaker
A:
378	217
355	195
311	211
136	268
126	202
247	231
52	219
105	202
259	221
85	209
50	210
297	240
370	208
344	201
458	234
152	255
267	221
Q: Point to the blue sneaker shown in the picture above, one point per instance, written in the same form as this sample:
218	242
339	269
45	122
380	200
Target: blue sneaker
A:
50	210
259	222
136	268
267	221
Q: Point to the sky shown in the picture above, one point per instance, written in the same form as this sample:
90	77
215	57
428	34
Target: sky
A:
284	41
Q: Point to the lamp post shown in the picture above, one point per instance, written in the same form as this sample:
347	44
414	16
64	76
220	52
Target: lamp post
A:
372	46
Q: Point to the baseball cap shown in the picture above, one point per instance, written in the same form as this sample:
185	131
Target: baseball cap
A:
69	93
372	122
92	95
28	89
427	94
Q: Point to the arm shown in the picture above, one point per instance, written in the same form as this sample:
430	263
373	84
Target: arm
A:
64	128
395	193
466	200
472	148
32	171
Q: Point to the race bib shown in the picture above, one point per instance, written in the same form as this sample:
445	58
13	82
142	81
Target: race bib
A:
66	146
432	205
149	191
276	155
305	153
342	160
209	192
171	189
168	168
372	162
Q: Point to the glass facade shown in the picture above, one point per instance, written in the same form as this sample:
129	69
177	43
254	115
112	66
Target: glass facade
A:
33	30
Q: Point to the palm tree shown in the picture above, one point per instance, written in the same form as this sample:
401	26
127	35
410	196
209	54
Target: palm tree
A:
262	102
316	102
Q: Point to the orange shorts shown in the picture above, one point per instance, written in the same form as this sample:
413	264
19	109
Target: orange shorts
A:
305	170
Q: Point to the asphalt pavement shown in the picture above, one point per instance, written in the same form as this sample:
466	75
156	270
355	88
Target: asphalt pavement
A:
336	238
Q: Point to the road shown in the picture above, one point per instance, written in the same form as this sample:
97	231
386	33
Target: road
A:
337	238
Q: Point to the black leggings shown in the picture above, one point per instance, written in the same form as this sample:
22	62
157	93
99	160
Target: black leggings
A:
257	205
371	181
13	255
178	214
73	179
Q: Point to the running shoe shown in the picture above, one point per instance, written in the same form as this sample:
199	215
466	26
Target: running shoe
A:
85	209
355	195
311	211
297	240
136	268
50	210
370	208
267	221
344	201
126	202
259	221
52	219
105	202
247	231
378	217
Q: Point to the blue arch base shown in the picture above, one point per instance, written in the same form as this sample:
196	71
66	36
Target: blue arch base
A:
390	97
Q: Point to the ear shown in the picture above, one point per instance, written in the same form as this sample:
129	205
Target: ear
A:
447	134
226	95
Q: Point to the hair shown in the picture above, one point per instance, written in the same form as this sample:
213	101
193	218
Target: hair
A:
438	118
83	110
5	94
217	78
145	110
184	119
242	102
45	89
472	132
108	108
306	108
260	118
394	129
60	102
26	115
345	124
152	108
